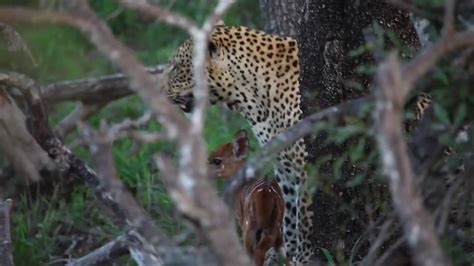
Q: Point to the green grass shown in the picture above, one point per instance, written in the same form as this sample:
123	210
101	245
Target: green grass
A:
43	222
43	227
46	222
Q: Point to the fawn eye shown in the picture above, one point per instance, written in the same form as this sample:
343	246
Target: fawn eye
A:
216	161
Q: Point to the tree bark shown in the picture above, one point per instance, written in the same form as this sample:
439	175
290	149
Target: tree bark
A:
327	30
332	30
283	17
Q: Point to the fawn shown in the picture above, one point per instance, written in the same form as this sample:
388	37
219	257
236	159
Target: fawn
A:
258	206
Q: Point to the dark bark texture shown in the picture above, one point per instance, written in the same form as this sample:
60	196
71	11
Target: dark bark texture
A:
283	17
327	31
332	30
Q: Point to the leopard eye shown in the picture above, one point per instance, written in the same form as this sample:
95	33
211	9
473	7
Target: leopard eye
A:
173	67
216	161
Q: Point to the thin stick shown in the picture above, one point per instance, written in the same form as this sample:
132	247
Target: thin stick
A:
448	23
417	223
105	253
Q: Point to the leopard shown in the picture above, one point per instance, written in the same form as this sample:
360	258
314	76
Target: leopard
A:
256	74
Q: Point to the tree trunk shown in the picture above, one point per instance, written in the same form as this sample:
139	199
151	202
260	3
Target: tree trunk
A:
283	17
327	31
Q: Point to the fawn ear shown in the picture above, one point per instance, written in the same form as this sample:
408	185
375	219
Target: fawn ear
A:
240	145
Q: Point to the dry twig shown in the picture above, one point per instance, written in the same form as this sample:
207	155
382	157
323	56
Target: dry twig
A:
192	191
383	235
306	126
80	113
391	92
192	175
108	190
449	10
98	90
122	202
417	223
103	254
112	196
127	125
15	42
23	151
427	58
410	72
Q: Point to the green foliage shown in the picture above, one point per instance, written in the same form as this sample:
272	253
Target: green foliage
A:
42	226
329	257
456	252
430	3
60	52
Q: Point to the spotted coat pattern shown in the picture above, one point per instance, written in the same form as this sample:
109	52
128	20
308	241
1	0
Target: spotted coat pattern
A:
256	74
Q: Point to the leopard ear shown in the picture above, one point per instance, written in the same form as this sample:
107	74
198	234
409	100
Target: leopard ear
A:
220	23
240	145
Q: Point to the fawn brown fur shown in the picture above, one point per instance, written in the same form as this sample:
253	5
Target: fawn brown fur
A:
258	206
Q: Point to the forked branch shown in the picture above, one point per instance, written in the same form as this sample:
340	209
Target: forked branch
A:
417	223
412	72
192	178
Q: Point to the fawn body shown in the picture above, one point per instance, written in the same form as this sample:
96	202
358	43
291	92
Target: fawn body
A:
258	206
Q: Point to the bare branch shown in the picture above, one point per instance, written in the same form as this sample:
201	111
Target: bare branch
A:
383	235
161	14
104	254
188	256
101	36
94	90
118	198
306	126
425	60
203	206
195	162
417	223
108	189
129	128
15	42
448	23
80	113
27	157
390	93
421	63
192	191
20	148
145	137
127	125
6	256
446	205
196	256
192	177
382	260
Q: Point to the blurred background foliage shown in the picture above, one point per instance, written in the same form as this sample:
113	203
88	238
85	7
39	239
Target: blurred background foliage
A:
67	221
52	222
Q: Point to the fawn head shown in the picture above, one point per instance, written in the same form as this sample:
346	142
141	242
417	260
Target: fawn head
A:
226	159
